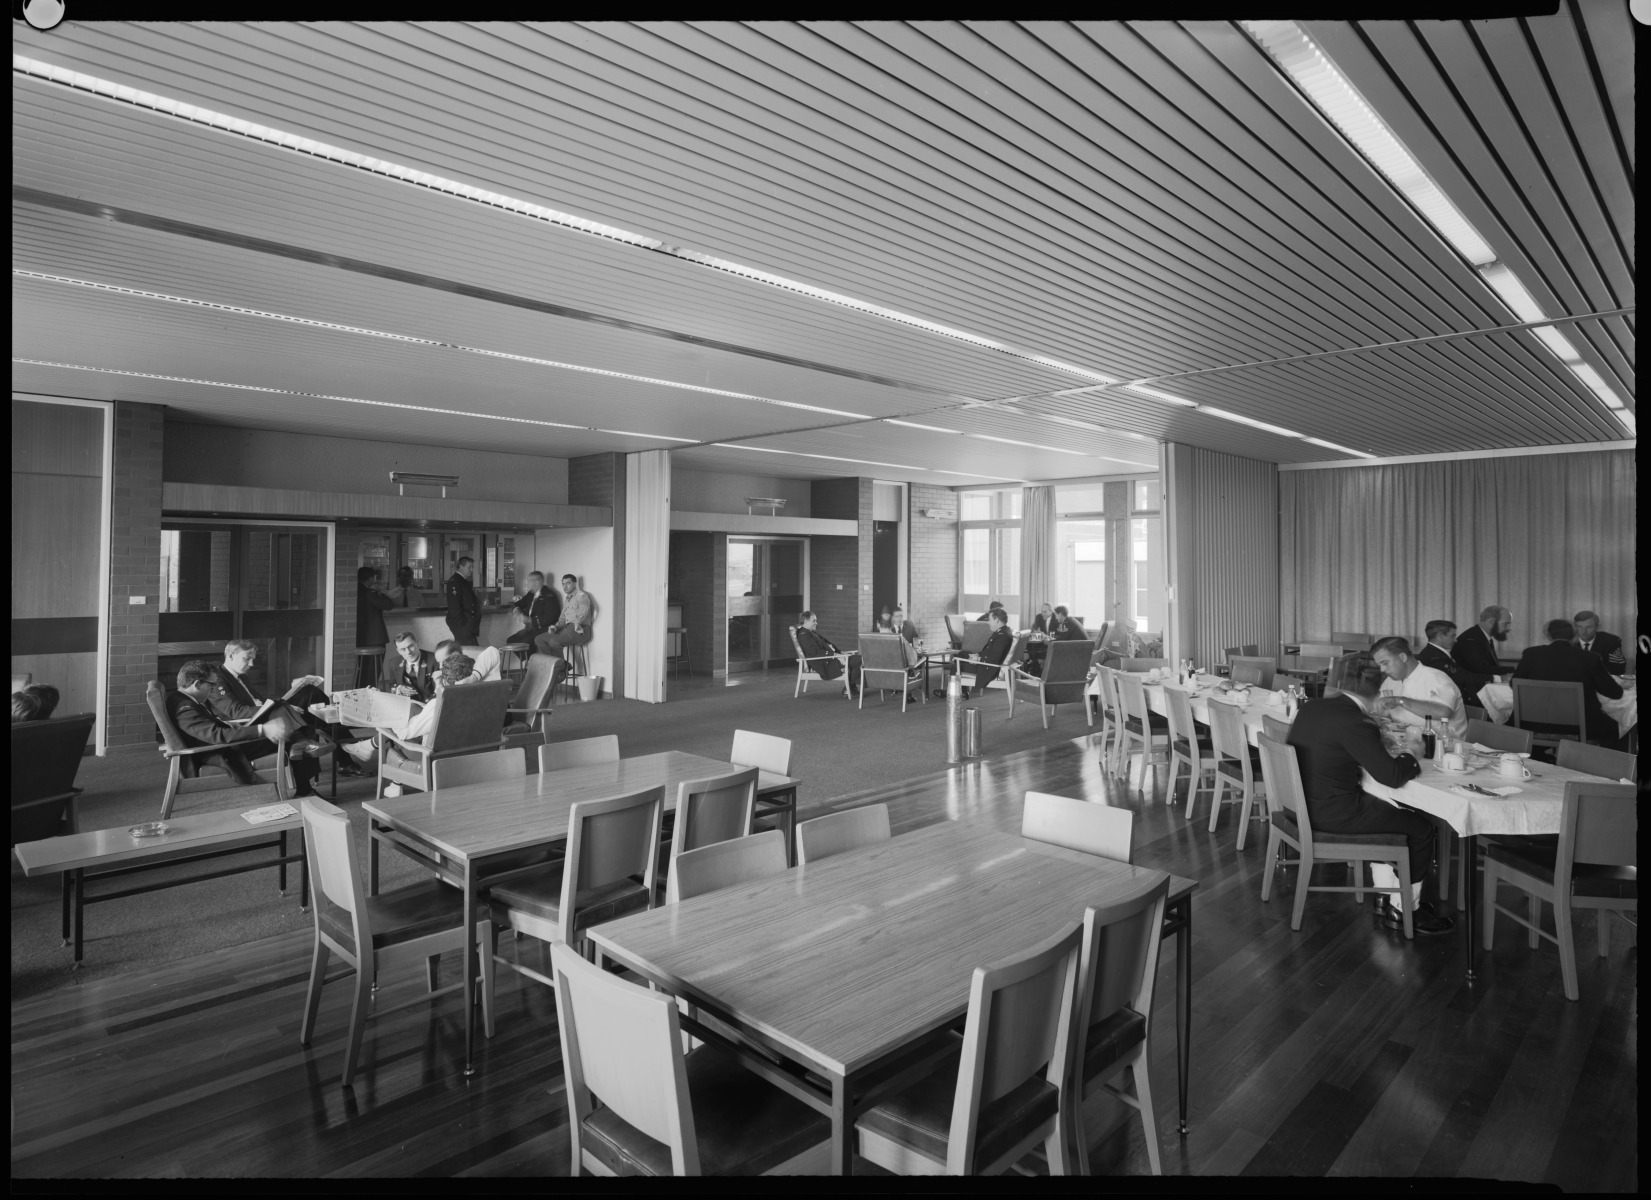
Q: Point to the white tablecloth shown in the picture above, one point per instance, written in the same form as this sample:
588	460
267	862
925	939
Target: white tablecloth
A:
1497	701
1260	701
1535	810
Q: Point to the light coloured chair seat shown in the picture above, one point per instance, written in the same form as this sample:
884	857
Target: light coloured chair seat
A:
540	898
403	915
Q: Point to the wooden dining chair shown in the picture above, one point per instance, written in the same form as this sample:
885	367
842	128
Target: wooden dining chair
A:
1112	721
185	764
611	868
528	713
1011	1083
1253	670
710	811
639	1105
1291	825
1065	673
1097	829
468	723
420	921
772	754
839	832
727	864
1321	650
1597	760
1189	742
1361	641
1550	710
583	752
1142	726
1276	728
883	666
1503	738
1118	967
1237	767
478	768
1250	650
1595	865
1232	652
1142	664
1280	683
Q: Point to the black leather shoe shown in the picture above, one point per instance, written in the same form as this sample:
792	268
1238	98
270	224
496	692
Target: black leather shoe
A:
1424	919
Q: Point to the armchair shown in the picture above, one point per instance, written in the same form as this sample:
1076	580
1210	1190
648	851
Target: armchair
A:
185	763
467	723
807	674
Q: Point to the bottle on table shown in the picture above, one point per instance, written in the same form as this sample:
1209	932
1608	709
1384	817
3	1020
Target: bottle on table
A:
1430	740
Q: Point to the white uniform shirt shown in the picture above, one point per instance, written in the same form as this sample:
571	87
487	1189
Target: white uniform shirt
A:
487	665
1429	683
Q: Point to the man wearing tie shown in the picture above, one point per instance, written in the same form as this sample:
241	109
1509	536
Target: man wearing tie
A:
1607	645
541	607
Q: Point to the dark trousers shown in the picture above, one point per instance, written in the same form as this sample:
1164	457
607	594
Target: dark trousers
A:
1371	815
465	633
523	637
238	760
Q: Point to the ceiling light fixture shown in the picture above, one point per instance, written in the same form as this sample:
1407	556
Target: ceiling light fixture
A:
1333	446
418	479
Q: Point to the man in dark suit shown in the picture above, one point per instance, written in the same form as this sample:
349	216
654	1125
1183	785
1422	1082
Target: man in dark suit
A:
1441	639
411	672
1475	651
464	611
820	648
1607	645
541	606
1562	662
370	607
200	686
242	698
996	649
1336	738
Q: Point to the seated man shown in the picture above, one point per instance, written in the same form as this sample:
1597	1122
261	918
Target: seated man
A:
241	698
1477	649
36	702
1335	738
486	660
572	628
1607	645
1441	640
191	709
910	641
817	647
1065	627
542	609
1414	692
993	606
1564	662
991	655
411	672
456	671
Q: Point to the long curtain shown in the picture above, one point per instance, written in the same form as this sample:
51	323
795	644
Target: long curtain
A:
1385	549
1037	551
647	558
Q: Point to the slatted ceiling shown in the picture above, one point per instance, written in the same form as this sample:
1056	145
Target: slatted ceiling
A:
1032	427
747	462
1610	37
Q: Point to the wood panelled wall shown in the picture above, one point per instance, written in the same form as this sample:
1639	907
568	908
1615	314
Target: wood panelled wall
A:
1221	526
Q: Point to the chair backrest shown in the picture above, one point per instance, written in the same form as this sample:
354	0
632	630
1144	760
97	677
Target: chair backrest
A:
726	864
1066	662
712	810
1017	652
1097	829
470	718
1132	697
1599	826
1276	728
1320	650
155	695
584	752
796	647
1549	702
1120	953
1597	760
1232	652
882	652
1281	683
1257	670
1282	772
610	840
45	757
1500	737
1353	639
1250	649
1109	690
478	768
1178	709
833	834
1142	664
1317	662
955	623
335	872
623	1043
1227	731
761	750
535	687
975	635
1022	1021
1475	713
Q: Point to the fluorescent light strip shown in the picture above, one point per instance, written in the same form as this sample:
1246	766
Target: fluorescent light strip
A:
1333	446
864	462
1164	396
986	437
1626	419
274	391
21	64
418	341
1243	420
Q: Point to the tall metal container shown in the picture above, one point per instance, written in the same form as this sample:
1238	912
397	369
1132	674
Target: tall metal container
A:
971	733
954	719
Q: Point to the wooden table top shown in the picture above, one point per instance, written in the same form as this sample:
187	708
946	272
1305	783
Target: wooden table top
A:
845	960
108	847
512	814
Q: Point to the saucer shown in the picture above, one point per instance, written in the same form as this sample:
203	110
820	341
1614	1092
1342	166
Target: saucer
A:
149	829
1463	771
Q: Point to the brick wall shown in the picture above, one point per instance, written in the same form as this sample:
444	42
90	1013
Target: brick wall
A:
933	561
864	616
134	570
833	561
346	549
591	480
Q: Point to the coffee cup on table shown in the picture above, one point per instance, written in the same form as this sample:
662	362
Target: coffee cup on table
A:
1454	762
1511	766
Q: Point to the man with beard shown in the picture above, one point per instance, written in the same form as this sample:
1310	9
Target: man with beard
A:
1475	649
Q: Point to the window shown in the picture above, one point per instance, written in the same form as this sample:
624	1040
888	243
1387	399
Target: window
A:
989	550
1146	496
1080	570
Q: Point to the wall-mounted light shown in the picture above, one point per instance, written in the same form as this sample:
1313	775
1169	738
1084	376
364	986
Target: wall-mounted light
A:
402	478
772	503
936	514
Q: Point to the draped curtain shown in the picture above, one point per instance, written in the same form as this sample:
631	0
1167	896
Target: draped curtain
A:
1037	551
647	557
1385	549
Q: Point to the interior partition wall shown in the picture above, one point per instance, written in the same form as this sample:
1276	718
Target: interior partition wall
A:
647	547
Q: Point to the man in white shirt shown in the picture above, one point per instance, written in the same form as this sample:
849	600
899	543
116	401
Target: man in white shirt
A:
456	671
1414	692
486	662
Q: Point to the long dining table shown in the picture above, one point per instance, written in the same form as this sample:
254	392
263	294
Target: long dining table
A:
847	972
479	835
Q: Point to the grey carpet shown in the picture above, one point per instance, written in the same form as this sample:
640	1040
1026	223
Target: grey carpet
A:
836	750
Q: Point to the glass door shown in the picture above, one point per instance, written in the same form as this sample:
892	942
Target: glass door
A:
764	587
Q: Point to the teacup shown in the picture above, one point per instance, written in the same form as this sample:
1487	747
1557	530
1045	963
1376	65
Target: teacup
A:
1454	762
1511	766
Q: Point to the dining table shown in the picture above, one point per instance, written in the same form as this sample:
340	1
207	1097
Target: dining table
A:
1497	701
844	976
483	834
1253	703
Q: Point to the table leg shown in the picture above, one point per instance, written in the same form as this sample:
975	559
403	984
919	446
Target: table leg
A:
303	872
1183	1009
372	859
68	899
1469	869
80	912
842	1129
469	971
281	863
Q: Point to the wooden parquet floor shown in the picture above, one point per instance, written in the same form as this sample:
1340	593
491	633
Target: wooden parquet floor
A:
1339	1050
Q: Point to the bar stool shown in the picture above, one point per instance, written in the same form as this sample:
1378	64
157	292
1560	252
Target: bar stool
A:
575	656
368	660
